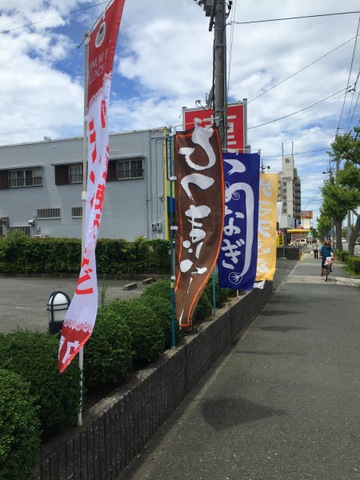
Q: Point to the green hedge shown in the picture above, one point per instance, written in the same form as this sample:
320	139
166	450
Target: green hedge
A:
34	356
352	262
163	310
108	353
147	336
61	256
19	428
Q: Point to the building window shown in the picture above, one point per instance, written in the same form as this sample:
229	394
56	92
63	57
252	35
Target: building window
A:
66	174
29	177
48	213
76	212
76	173
126	169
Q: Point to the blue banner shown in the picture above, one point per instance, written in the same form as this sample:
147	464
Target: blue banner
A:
238	252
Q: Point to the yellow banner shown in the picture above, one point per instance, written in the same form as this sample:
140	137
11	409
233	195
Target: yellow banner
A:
268	193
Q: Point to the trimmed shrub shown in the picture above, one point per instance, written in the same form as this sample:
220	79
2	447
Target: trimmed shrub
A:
34	356
163	310
15	249
19	254
344	256
203	309
221	294
19	428
161	288
108	352
111	256
160	260
148	341
354	264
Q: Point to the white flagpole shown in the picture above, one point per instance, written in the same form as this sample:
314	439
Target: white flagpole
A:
83	197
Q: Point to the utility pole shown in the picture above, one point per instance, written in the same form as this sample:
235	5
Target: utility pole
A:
216	10
220	87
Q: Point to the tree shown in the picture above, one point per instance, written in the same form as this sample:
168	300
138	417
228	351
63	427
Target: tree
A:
342	193
323	225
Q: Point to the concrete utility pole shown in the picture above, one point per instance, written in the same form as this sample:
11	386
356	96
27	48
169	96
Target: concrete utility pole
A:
216	10
220	88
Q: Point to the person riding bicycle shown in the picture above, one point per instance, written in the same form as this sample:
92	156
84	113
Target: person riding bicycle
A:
325	251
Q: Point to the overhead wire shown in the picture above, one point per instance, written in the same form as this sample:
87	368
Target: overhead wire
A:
3	32
349	76
300	17
317	195
303	68
300	153
354	110
298	111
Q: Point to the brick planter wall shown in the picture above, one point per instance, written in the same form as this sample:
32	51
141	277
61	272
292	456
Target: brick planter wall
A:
116	429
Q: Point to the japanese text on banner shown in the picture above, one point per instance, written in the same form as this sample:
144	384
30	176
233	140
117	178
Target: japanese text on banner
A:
267	226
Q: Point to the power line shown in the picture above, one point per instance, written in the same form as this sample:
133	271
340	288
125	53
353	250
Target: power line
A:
295	18
302	69
298	153
348	82
3	32
298	111
353	113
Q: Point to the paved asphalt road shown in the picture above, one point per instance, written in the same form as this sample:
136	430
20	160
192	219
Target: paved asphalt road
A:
283	403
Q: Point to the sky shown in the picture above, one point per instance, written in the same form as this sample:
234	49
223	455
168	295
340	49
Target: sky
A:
299	75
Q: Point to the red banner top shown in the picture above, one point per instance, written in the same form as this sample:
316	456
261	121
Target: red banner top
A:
102	46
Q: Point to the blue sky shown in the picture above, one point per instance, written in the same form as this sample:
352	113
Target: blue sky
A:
164	62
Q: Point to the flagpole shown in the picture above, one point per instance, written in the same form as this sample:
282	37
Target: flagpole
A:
83	199
172	230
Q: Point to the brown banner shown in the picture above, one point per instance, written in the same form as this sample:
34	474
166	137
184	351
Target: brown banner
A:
199	215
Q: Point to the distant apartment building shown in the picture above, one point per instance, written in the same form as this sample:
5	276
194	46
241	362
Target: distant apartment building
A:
289	194
41	187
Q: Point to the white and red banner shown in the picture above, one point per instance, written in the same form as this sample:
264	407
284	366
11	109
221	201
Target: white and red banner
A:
199	215
80	317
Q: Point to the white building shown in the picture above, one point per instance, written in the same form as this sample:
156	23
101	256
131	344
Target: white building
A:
41	187
289	193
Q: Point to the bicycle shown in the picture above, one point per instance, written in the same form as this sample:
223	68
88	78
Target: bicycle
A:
327	267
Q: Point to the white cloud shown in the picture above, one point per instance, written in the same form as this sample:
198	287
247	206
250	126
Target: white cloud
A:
164	62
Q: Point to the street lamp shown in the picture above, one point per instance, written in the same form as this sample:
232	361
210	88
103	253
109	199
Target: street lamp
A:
57	306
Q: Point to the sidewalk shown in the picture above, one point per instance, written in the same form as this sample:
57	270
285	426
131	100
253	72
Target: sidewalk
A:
283	403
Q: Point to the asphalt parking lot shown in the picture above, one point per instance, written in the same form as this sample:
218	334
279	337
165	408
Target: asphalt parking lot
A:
24	299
